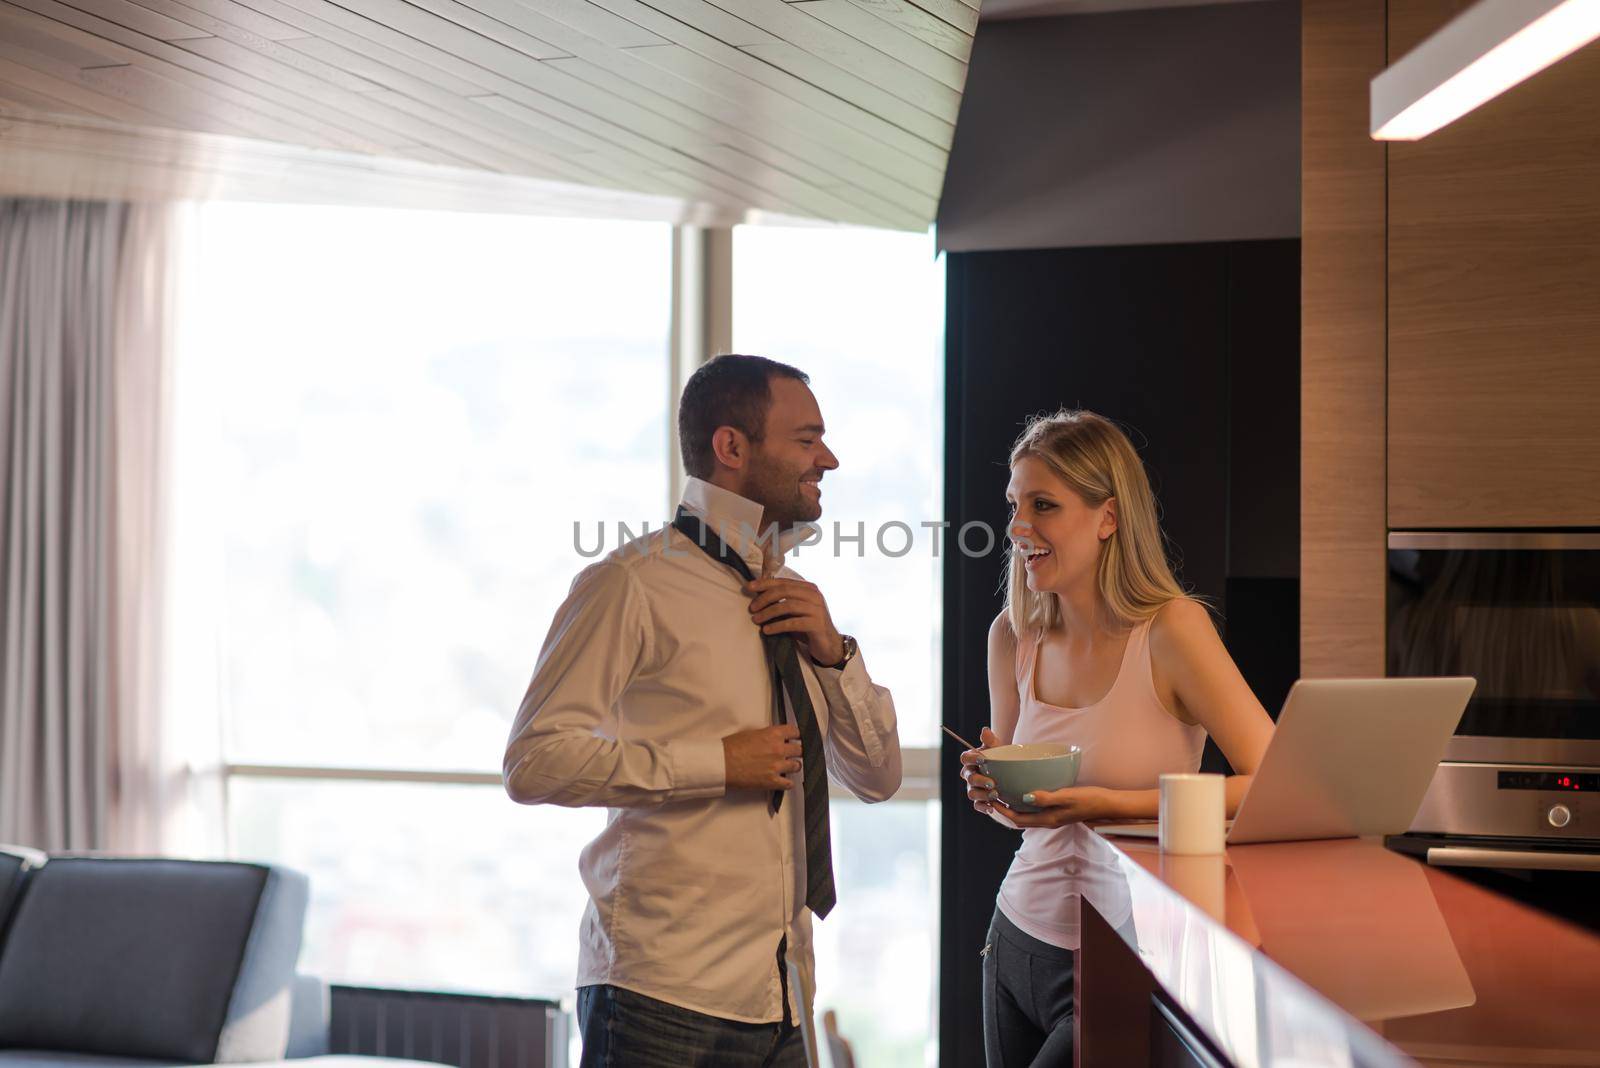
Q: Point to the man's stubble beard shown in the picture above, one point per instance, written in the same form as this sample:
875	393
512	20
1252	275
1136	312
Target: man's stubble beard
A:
777	490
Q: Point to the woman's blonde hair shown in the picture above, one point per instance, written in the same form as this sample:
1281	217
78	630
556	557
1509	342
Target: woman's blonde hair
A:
1095	458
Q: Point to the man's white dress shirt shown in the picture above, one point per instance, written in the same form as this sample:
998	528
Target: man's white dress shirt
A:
649	664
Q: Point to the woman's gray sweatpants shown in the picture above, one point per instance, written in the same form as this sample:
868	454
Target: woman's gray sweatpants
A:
1027	1000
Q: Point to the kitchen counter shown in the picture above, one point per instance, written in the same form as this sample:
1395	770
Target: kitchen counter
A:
1334	953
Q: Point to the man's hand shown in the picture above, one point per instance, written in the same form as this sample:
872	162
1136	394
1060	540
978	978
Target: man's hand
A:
760	759
791	606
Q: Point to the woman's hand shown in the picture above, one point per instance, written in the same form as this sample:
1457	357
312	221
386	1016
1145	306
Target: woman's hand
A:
1061	807
980	788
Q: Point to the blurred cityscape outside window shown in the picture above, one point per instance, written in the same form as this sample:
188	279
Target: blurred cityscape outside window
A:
388	424
862	313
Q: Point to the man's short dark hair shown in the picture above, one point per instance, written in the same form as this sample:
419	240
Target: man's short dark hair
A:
731	390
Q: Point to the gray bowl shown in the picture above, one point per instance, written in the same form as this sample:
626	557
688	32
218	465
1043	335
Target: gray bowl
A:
1023	769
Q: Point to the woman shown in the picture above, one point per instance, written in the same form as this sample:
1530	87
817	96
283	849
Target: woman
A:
1097	646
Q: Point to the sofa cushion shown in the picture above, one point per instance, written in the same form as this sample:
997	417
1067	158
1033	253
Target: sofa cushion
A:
143	958
309	1017
261	1013
43	1058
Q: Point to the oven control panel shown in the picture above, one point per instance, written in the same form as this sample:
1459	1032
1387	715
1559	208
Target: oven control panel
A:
1512	800
1566	781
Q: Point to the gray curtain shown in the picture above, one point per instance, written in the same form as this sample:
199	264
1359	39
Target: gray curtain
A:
85	292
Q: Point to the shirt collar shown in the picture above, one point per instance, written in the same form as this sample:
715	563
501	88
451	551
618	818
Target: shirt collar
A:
737	521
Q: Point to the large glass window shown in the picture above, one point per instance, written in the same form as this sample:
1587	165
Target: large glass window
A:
862	312
388	423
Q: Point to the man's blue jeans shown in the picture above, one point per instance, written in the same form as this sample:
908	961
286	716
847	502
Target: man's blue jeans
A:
622	1029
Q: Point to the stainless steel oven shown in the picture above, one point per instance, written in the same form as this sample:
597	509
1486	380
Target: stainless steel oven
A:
1520	612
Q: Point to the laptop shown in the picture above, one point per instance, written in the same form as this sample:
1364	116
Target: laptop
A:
1349	758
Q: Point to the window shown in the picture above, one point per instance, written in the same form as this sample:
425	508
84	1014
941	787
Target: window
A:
862	313
388	423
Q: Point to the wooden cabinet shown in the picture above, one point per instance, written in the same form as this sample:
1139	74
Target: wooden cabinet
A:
1494	304
1341	343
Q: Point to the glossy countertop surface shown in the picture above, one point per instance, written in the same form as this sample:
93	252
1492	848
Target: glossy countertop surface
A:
1341	953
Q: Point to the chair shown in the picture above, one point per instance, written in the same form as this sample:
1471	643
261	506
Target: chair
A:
839	1052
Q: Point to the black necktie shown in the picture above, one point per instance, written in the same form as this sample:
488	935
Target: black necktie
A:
783	660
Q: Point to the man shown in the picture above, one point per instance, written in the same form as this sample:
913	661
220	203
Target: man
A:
700	691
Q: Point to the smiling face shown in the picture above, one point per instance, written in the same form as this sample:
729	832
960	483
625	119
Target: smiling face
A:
1055	533
786	467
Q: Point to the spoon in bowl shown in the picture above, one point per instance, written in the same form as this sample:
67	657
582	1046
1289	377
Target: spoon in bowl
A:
958	737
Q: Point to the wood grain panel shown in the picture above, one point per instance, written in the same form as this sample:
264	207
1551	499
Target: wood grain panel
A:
209	14
13	95
239	48
906	161
102	90
702	56
826	43
1342	553
887	38
957	13
53	156
27	37
556	100
753	130
866	96
275	61
927	28
704	116
541	87
180	105
203	76
142	19
839	110
589	22
376	63
38	82
1494	312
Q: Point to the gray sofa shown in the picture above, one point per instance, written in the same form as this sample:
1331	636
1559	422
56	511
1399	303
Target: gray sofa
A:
111	961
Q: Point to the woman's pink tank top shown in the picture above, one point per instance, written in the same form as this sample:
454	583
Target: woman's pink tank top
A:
1128	740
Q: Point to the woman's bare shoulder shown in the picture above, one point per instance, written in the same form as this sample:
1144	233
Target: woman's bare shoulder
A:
1001	637
1181	625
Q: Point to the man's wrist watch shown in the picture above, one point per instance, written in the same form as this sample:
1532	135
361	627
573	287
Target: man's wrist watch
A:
850	651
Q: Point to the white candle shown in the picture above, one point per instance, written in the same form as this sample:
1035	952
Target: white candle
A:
1192	814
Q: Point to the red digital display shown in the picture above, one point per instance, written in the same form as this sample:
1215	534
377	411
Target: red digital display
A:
1572	781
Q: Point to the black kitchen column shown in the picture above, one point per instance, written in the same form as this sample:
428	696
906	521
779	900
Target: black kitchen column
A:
1147	336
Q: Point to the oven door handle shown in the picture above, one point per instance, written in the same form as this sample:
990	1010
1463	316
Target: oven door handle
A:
1477	857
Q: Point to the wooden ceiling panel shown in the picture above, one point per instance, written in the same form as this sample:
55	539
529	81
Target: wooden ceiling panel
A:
377	63
325	123
705	17
140	19
225	18
34	84
275	61
835	110
927	28
887	38
822	42
863	136
920	120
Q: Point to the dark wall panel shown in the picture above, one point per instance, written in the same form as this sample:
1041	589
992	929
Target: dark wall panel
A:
1264	411
1188	346
1149	126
